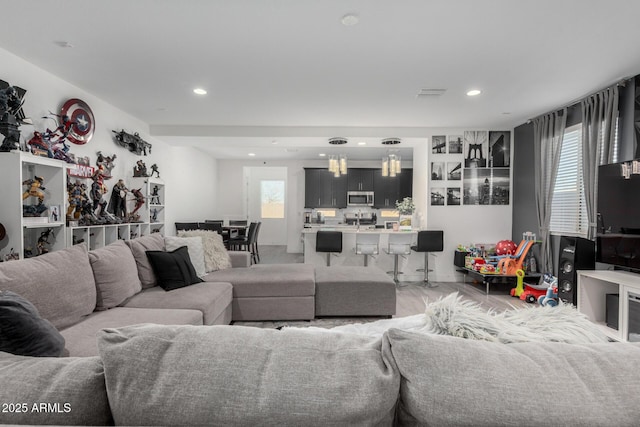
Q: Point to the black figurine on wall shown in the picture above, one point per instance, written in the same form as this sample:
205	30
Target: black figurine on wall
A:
134	143
11	115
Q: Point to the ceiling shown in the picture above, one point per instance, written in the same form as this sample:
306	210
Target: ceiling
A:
289	71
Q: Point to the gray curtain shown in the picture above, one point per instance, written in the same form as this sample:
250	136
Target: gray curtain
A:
548	131
599	115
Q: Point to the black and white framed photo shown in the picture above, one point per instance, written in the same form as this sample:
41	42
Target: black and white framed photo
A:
453	196
439	144
476	148
455	144
499	149
437	171
454	171
437	196
486	186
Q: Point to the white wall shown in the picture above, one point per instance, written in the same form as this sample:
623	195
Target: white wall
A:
188	173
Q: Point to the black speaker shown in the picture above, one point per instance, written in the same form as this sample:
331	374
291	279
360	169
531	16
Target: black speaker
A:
576	254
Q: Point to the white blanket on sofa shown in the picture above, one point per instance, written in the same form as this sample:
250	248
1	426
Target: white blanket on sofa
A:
452	315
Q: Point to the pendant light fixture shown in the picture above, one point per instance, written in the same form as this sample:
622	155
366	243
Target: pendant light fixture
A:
391	163
338	162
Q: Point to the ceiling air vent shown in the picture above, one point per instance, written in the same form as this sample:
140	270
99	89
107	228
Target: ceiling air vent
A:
430	93
337	141
391	141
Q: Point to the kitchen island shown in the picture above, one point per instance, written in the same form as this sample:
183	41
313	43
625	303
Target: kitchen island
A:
407	264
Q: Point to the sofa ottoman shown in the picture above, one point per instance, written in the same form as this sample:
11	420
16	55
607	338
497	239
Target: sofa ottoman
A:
270	292
354	291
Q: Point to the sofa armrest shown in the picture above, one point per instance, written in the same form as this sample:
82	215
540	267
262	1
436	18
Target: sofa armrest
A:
240	259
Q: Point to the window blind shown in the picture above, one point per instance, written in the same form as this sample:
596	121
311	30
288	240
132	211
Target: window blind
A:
568	208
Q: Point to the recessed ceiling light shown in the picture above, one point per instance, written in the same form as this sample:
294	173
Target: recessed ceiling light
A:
199	91
362	143
64	44
252	154
274	142
322	155
474	92
506	113
350	19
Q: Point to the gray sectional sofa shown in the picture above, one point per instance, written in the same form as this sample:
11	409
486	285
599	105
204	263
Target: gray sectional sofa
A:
243	376
81	292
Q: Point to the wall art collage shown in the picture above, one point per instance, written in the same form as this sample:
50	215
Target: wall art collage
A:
470	169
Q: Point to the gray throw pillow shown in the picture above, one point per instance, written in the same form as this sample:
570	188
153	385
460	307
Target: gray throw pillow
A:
115	273
58	391
244	376
450	381
23	331
139	246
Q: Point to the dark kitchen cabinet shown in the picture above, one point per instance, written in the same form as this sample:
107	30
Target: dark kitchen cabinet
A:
361	179
389	189
323	190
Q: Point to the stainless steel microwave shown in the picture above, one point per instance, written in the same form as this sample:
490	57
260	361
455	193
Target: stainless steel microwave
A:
359	198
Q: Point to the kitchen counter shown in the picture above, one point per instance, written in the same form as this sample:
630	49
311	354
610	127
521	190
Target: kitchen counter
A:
407	264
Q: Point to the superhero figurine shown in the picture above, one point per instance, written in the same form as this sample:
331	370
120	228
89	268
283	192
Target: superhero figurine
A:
118	202
155	197
154	169
35	189
139	198
140	169
44	240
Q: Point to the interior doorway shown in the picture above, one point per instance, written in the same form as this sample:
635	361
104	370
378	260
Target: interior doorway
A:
266	201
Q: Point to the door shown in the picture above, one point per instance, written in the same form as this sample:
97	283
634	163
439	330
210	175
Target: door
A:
266	201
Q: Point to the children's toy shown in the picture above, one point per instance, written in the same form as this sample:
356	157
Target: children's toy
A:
551	296
519	289
510	264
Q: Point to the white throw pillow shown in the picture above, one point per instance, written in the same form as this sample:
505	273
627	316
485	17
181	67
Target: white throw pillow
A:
216	256
194	246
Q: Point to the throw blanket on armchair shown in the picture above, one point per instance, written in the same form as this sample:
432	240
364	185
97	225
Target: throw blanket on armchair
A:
451	315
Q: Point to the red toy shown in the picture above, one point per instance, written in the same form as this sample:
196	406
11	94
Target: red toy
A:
505	247
532	292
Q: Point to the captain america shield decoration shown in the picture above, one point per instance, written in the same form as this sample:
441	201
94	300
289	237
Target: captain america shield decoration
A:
79	121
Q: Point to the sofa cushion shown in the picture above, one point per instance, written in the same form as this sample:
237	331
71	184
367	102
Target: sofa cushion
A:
211	298
58	391
116	274
216	256
173	270
59	284
196	251
269	280
81	337
139	246
23	331
454	381
234	375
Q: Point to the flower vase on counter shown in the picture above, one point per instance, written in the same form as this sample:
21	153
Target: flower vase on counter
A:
405	209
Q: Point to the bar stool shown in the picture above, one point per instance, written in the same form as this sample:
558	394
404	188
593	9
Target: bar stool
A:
367	244
329	242
399	245
429	241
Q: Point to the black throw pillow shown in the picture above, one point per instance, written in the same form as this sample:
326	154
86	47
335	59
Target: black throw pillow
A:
173	269
24	332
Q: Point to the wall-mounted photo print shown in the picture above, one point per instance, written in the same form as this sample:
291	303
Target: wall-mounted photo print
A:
439	144
454	171
453	196
499	149
437	197
437	171
476	148
455	144
485	186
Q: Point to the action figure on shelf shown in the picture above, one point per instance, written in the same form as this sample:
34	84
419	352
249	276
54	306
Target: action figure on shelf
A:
105	164
154	215
118	202
155	197
35	189
12	255
44	240
139	198
154	169
140	169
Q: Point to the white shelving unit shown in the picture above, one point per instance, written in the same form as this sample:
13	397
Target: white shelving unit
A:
23	233
594	285
97	236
